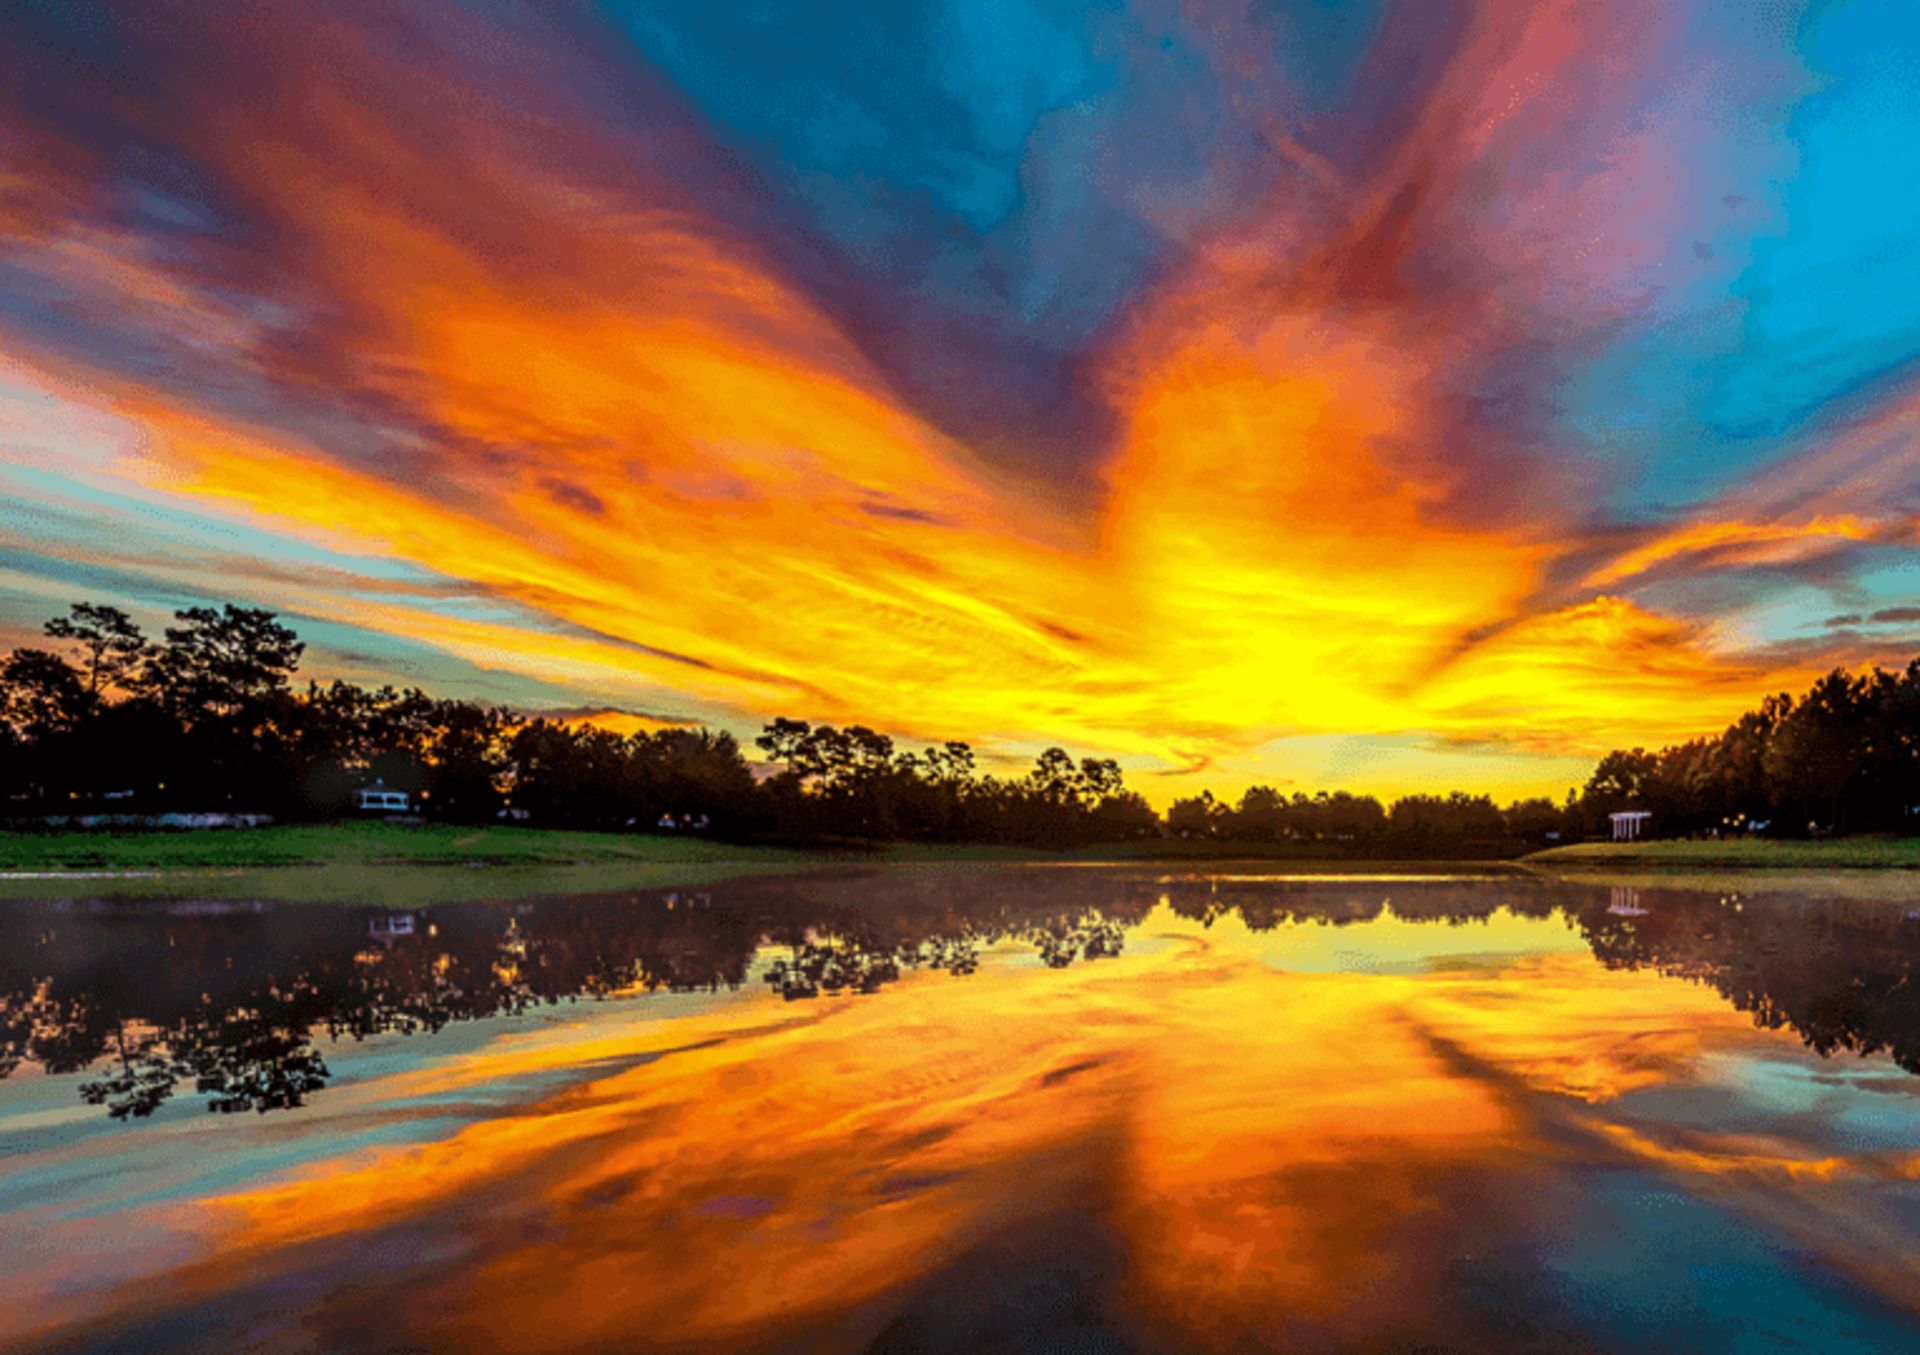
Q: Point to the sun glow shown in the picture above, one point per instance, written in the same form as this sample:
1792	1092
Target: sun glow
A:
630	440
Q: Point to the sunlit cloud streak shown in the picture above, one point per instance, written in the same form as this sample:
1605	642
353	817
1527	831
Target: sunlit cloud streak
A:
1183	381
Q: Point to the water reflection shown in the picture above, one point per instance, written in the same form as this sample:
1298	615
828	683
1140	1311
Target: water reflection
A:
235	1000
981	1110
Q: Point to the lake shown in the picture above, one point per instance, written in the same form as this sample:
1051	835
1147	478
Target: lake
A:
964	1109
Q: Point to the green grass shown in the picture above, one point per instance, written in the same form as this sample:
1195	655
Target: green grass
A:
390	864
1858	853
375	845
383	844
368	862
410	865
406	866
368	844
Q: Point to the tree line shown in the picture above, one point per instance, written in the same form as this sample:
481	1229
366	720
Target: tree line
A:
1844	757
209	717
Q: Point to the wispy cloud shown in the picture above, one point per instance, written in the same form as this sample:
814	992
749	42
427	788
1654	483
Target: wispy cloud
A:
1189	403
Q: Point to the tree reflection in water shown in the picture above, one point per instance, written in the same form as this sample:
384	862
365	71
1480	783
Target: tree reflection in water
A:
232	1000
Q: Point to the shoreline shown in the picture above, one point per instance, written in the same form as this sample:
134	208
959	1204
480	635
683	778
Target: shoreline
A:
67	852
1867	852
387	844
411	865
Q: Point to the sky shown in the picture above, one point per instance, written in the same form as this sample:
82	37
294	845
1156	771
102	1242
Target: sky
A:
1384	396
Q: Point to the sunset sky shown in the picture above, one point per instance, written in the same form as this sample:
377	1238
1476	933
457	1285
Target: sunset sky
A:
1395	397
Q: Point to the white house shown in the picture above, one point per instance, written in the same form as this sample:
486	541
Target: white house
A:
1629	824
379	798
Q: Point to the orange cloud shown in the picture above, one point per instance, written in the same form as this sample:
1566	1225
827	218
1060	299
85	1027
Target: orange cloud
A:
1739	543
1568	678
576	391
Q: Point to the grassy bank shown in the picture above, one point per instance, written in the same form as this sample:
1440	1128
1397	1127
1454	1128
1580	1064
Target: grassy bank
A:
384	844
388	864
374	845
360	844
1844	853
409	865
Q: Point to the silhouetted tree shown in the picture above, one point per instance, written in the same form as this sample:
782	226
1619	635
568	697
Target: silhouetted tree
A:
112	647
1198	816
1534	820
41	694
218	664
1425	820
1820	747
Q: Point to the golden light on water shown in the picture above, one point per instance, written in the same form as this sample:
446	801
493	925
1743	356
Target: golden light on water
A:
1245	1150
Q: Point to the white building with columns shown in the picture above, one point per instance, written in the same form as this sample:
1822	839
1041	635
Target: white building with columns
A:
1629	824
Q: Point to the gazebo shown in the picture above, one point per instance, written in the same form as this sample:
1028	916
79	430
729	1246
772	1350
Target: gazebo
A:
1629	824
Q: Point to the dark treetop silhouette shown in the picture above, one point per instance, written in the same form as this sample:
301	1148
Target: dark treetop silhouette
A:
209	718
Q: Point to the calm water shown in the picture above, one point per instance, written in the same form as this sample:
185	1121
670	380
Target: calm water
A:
986	1109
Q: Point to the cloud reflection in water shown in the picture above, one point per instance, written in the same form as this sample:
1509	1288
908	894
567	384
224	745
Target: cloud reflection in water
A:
1186	1145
